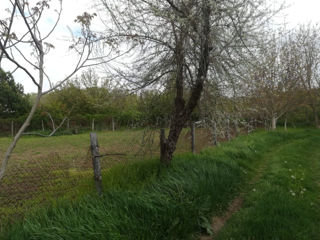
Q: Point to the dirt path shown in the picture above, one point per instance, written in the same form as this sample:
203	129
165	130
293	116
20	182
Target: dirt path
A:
218	222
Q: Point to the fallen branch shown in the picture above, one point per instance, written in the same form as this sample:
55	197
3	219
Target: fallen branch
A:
52	133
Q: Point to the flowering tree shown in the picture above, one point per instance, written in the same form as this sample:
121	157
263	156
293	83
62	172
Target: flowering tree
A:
188	42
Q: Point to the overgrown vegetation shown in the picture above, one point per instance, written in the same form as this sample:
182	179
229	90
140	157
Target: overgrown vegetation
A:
145	201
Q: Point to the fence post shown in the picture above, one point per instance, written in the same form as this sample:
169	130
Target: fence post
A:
92	125
96	161
12	129
162	145
193	137
112	124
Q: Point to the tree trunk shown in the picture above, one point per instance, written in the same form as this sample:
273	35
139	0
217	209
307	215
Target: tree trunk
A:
171	142
285	124
182	112
28	119
274	123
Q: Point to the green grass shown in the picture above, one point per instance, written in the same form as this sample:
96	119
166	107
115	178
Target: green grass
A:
284	204
42	170
143	200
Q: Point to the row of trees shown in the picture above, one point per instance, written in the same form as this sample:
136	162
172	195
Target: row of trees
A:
88	99
280	81
218	53
287	74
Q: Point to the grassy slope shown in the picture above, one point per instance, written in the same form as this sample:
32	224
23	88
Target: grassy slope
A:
144	201
284	204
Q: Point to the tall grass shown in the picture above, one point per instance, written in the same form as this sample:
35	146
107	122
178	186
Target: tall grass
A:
146	201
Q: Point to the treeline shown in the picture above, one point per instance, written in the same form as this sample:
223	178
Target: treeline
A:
278	84
82	107
90	102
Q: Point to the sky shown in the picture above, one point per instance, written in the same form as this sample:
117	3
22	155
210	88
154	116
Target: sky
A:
60	61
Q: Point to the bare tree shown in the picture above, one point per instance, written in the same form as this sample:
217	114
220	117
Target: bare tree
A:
181	41
21	33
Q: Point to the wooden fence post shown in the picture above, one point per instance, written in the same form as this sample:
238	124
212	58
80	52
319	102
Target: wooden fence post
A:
193	137
12	129
162	145
96	162
92	125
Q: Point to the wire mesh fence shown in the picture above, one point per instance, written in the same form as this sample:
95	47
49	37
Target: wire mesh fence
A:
42	170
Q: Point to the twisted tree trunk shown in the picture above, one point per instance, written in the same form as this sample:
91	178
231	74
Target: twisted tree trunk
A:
183	111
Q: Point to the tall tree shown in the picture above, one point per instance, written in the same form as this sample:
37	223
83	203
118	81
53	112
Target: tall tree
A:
191	40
